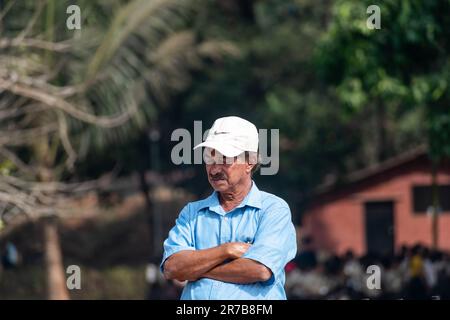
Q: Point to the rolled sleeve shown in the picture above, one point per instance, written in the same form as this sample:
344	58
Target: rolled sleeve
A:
180	237
275	241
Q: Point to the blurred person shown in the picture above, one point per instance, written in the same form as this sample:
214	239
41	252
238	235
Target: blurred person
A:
392	277
294	283
429	270
353	274
438	264
290	267
404	257
416	262
236	243
334	278
307	255
437	260
442	288
307	282
416	287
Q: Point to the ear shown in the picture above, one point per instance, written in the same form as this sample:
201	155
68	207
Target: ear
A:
249	167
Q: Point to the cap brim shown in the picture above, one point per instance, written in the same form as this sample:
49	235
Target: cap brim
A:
224	148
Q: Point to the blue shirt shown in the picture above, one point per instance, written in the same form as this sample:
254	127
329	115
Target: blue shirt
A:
262	219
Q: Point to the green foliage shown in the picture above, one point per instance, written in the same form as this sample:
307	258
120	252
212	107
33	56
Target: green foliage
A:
309	68
404	65
274	84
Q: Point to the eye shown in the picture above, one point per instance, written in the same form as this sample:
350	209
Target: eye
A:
228	161
208	158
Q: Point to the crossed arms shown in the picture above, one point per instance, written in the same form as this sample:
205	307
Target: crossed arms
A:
208	263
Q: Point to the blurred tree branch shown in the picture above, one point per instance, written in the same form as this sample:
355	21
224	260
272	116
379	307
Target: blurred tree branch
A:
58	89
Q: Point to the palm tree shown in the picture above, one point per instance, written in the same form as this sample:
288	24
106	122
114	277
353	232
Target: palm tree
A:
66	92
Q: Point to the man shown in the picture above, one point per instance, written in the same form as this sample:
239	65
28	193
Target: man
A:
235	243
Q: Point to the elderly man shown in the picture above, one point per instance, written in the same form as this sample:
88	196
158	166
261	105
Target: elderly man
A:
235	243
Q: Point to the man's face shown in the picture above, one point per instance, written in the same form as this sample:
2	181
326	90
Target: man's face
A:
224	174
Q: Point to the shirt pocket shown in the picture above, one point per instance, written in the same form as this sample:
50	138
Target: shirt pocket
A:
246	232
247	238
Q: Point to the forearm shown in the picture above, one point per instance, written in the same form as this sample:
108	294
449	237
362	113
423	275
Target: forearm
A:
241	271
191	264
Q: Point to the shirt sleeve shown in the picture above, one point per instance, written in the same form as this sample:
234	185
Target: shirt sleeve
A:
180	236
275	242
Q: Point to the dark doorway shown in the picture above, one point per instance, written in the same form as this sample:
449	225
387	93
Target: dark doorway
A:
380	227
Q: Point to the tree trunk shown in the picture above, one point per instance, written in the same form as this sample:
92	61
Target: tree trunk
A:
56	280
435	204
144	164
381	127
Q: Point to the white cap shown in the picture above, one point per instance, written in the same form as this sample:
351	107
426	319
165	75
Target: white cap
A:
231	136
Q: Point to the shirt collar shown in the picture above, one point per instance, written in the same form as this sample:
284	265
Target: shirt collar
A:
252	199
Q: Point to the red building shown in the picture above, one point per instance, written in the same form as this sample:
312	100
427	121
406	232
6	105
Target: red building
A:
381	208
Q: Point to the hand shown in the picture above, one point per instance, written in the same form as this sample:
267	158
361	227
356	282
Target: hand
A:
236	250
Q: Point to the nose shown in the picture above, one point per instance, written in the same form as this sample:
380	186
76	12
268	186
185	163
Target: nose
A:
214	169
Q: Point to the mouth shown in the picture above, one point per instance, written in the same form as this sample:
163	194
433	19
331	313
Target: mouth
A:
217	179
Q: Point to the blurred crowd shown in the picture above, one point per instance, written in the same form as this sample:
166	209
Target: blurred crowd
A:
415	272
